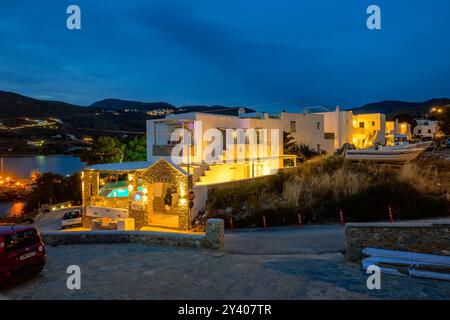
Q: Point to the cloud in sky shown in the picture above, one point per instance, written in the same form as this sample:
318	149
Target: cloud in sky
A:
226	52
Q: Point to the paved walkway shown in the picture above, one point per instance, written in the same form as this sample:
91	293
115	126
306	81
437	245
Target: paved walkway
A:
135	271
285	263
287	240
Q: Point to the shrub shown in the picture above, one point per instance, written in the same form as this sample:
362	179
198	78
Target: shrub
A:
324	185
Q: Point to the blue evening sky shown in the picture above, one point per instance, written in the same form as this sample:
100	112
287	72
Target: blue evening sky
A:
233	52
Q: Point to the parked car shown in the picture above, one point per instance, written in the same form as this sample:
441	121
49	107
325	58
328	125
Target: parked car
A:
22	252
72	219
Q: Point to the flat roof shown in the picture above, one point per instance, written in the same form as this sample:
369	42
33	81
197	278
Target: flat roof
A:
132	166
124	166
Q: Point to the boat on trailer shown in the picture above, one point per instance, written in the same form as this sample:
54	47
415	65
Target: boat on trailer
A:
384	155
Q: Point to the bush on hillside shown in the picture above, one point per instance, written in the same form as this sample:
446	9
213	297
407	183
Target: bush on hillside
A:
323	186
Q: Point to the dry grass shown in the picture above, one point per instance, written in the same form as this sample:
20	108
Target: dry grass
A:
425	179
308	189
332	178
323	186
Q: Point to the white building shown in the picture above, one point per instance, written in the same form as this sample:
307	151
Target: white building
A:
307	128
304	128
362	130
425	128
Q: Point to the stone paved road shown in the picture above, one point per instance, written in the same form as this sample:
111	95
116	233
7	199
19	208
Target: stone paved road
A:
287	240
135	271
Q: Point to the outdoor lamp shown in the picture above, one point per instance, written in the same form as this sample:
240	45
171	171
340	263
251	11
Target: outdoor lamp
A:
130	187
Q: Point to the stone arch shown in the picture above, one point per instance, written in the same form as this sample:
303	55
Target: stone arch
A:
166	172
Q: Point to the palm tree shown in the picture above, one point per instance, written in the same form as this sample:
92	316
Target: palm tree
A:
288	143
301	150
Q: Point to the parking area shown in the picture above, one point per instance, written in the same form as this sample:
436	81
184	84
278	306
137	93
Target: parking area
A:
136	271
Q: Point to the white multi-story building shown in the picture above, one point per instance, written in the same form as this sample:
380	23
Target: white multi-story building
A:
362	130
304	128
426	128
172	186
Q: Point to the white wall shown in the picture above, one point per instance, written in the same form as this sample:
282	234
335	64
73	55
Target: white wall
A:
426	128
310	129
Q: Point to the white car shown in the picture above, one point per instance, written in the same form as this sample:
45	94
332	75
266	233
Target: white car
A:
72	219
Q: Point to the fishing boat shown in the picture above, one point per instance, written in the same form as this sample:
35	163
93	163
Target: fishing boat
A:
384	155
424	145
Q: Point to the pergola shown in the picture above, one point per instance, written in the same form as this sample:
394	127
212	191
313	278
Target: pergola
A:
142	177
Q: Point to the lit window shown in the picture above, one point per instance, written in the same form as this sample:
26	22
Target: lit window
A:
293	126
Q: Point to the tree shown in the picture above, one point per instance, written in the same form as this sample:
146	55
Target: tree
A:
54	188
303	151
442	114
104	150
288	143
135	150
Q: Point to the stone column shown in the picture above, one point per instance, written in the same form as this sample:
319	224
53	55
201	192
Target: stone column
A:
95	178
215	234
149	206
184	217
86	195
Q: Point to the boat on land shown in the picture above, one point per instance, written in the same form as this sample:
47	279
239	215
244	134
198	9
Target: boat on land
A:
407	263
384	155
424	145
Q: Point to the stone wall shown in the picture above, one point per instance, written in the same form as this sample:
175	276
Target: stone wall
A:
423	237
212	239
162	171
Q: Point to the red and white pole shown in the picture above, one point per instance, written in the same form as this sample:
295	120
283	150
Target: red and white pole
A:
231	224
300	223
341	216
264	223
391	216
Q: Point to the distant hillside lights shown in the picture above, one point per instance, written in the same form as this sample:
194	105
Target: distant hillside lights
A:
160	112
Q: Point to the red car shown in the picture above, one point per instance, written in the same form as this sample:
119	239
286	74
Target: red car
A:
21	252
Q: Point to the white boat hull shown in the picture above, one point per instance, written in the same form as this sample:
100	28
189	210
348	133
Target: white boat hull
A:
386	155
419	145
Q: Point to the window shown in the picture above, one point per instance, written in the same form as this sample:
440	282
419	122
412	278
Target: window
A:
318	125
373	123
293	126
21	240
328	135
361	125
419	131
429	130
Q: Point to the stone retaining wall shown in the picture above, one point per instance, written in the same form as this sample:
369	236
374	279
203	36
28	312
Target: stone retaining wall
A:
212	239
423	237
